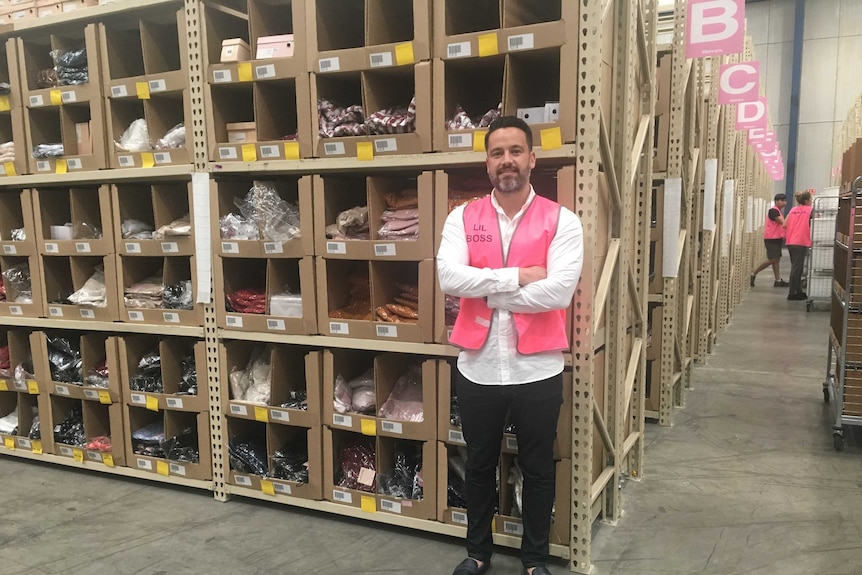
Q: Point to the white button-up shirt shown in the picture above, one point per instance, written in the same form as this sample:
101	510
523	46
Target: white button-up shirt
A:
498	361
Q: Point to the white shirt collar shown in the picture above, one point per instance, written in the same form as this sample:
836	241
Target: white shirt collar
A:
527	203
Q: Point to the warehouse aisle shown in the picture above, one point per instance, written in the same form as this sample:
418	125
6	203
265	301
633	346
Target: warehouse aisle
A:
746	481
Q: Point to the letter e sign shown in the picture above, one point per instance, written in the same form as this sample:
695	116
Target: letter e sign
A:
714	27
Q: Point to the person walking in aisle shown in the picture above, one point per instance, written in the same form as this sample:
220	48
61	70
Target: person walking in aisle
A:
514	258
773	237
798	224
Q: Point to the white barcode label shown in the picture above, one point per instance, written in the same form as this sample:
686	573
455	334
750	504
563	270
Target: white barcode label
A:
238	409
126	161
68	97
384	249
342	420
136	316
342	496
391	506
329	65
162	157
177	469
380	59
513	528
386	145
220	76
51	248
456	437
521	42
336	248
133	247
82	247
230	247
275	324
233	321
25	443
387	331
265	53
458	50
94	456
74	164
55	312
16	310
67	451
174	402
262	72
269	152
171	317
158	86
170	248
227	153
144	464
61	390
43	166
282	488
333	148
512	443
279	415
242	480
36	101
459	517
273	248
119	91
87	314
392	427
460	140
10	250
139	398
339	327
91	394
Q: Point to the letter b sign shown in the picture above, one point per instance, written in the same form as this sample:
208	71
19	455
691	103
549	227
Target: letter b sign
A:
714	27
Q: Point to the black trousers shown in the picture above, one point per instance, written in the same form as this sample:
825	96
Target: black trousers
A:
534	409
797	266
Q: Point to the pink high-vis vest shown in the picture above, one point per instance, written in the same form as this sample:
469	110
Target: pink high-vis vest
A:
799	226
537	332
772	230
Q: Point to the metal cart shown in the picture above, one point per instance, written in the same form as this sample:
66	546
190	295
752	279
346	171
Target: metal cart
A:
820	264
843	386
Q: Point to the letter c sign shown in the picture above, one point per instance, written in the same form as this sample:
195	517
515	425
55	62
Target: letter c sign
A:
714	27
738	82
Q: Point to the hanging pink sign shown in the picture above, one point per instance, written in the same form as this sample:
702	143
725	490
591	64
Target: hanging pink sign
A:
738	82
714	27
751	115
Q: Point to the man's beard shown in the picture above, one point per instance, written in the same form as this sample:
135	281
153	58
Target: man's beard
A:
510	182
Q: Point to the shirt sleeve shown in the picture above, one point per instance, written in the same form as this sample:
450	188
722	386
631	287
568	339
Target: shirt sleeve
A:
457	277
773	214
565	261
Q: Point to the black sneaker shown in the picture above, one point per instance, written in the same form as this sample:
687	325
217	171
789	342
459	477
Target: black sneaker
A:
751	280
780	283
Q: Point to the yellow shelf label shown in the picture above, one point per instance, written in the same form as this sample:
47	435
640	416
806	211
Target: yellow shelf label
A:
368	504
143	90
488	44
108	459
479	140
36	446
9	167
4	385
291	150
147	160
60	167
162	468
243	70
152	403
552	138
249	153
364	151
105	397
261	414
4	103
78	455
32	387
9	442
404	54
56	98
368	426
267	487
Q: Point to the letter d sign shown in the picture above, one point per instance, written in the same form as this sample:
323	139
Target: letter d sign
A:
714	27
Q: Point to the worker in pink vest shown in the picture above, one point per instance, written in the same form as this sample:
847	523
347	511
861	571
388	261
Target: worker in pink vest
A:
773	238
798	238
514	258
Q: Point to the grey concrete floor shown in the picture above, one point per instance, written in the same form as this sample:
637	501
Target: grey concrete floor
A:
746	481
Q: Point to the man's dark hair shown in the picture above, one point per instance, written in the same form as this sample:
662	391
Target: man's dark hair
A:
510	122
780	198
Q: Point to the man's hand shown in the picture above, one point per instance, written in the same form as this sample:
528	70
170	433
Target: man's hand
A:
531	274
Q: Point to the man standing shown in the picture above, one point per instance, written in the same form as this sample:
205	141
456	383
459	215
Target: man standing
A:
514	259
773	237
798	241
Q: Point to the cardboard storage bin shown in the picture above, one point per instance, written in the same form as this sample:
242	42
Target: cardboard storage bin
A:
96	349
175	422
157	206
62	276
17	301
171	271
87	209
16	215
28	411
99	420
281	22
